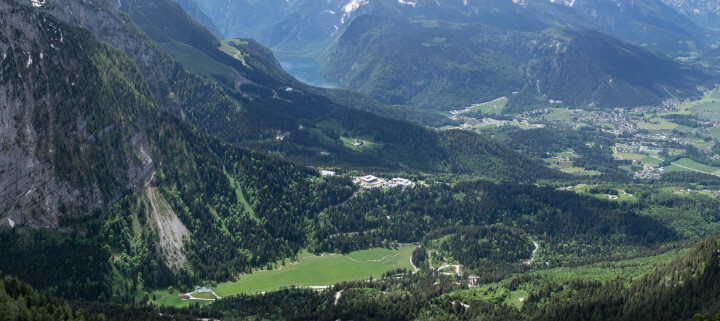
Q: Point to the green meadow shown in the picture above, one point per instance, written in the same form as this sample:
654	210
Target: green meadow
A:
494	107
309	270
686	164
327	269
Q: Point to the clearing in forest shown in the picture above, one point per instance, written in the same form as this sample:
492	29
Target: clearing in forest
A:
328	269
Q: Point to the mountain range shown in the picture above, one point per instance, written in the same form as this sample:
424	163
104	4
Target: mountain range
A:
446	66
91	125
140	153
371	57
702	12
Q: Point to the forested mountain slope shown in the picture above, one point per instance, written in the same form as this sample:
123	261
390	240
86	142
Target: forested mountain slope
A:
249	100
447	55
678	291
439	65
101	158
167	202
153	201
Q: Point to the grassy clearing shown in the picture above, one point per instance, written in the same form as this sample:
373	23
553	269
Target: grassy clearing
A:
226	47
715	132
241	196
311	270
567	153
199	62
512	123
709	116
204	296
707	106
165	298
651	161
348	142
708	102
579	170
628	269
494	107
559	114
686	164
630	156
658	124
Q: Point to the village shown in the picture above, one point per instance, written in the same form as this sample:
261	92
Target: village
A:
645	136
370	181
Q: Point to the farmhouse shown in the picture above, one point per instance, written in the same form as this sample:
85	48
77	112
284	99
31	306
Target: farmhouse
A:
203	289
184	297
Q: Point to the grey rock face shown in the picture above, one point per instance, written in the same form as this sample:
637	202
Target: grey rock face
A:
30	192
41	83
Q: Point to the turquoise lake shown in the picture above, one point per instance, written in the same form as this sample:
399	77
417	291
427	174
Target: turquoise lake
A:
307	71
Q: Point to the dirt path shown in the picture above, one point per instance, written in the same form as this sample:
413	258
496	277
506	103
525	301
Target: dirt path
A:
462	304
378	260
457	269
415	269
217	297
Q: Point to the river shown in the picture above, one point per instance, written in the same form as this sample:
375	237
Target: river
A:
307	71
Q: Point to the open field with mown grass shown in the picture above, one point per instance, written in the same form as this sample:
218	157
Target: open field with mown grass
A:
686	164
328	269
494	107
651	161
657	124
309	270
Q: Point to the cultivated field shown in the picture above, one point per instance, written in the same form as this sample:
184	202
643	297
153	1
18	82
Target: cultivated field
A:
686	164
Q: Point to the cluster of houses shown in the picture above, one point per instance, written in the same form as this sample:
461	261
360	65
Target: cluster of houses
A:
198	289
370	181
358	143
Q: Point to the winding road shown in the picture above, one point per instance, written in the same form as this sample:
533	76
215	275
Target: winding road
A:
457	269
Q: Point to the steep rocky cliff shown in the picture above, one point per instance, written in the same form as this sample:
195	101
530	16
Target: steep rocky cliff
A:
110	25
70	143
